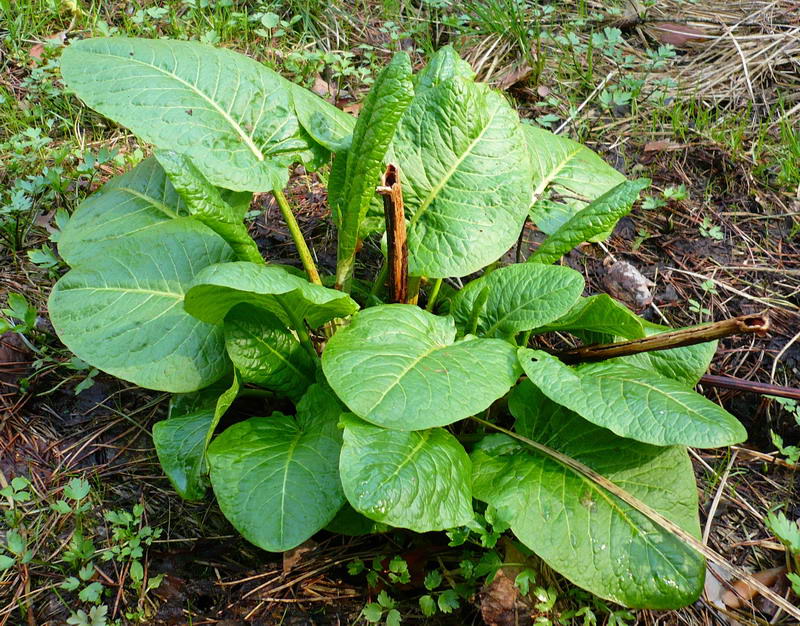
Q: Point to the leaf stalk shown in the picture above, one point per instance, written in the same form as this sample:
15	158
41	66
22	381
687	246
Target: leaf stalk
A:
297	237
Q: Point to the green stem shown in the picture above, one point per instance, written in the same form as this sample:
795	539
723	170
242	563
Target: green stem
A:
477	309
526	338
434	294
413	289
380	279
299	326
297	237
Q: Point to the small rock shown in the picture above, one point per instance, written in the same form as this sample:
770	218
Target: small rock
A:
626	283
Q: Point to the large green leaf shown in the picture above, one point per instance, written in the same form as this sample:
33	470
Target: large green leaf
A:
266	353
419	480
277	478
573	175
206	205
181	440
123	312
219	288
598	318
591	223
580	529
520	297
328	126
233	117
466	178
633	402
387	100
443	65
127	204
400	367
179	443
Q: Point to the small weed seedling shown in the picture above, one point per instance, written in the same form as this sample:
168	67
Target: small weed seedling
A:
788	532
388	395
792	453
708	229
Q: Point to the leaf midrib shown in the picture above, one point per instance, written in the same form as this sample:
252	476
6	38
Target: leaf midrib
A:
438	187
164	294
275	352
523	305
656	390
405	371
248	140
554	172
150	200
425	435
289	455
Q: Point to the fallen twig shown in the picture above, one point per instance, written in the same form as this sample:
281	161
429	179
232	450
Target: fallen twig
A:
758	324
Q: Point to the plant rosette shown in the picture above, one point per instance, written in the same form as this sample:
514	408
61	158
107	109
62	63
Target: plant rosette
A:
168	291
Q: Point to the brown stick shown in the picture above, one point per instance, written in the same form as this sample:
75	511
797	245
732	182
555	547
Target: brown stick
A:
758	323
739	384
394	214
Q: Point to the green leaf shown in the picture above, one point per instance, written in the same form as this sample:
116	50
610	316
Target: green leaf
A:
465	175
393	617
277	478
633	402
448	601
372	612
400	367
418	480
427	605
179	444
592	223
328	126
91	593
219	288
15	543
385	600
130	203
581	530
388	98
520	297
598	315
443	65
786	530
77	489
123	313
266	353
206	205
566	168
6	562
233	117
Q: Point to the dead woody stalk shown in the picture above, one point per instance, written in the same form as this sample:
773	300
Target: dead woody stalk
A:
394	215
746	324
758	324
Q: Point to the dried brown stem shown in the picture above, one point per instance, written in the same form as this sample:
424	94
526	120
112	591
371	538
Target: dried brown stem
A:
394	214
758	324
739	384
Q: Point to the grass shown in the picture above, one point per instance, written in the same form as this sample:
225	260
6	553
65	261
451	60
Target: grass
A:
567	66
